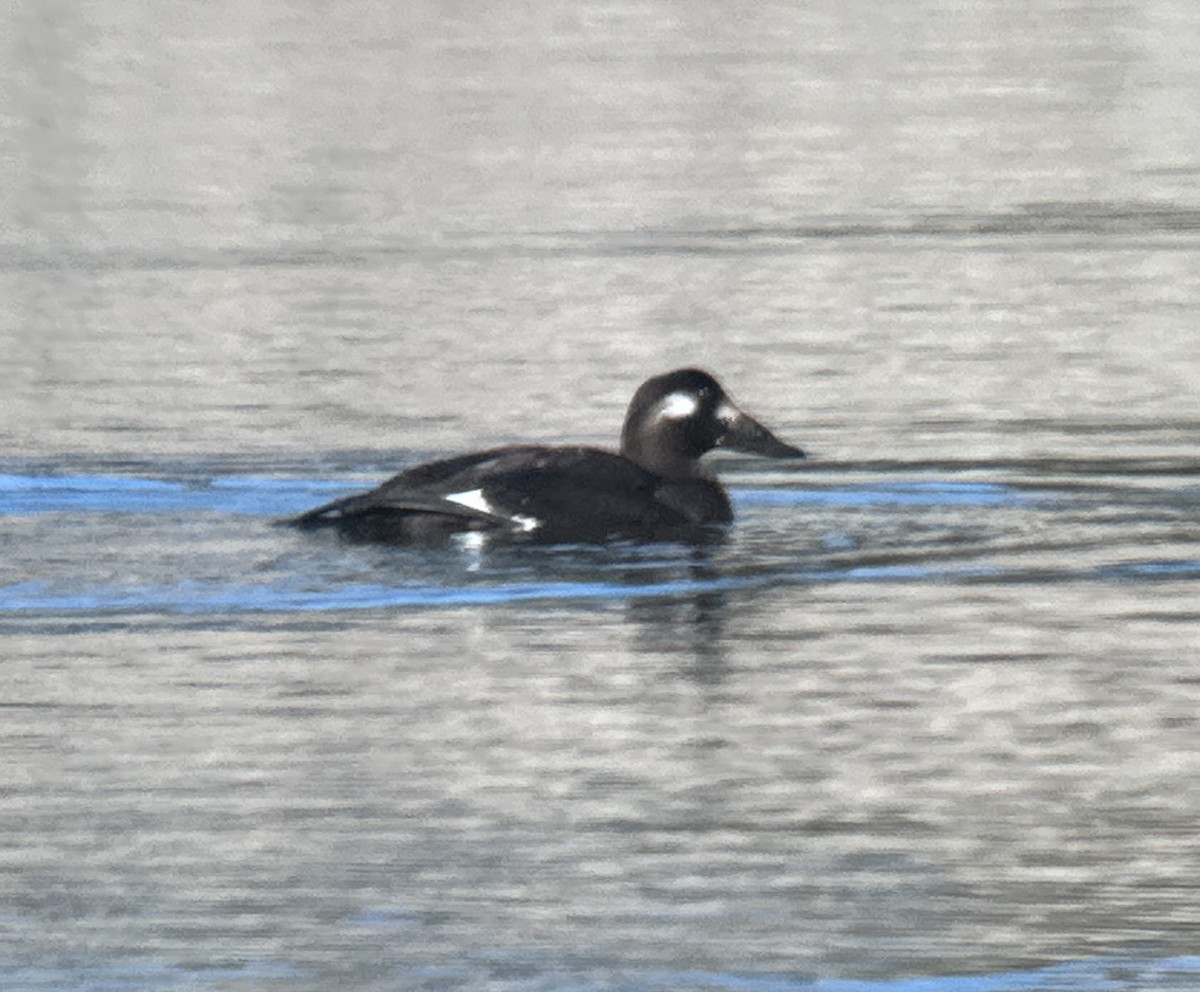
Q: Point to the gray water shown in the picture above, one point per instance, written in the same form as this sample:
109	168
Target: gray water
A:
927	720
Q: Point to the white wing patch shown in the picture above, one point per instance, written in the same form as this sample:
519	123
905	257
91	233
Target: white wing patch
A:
678	406
472	499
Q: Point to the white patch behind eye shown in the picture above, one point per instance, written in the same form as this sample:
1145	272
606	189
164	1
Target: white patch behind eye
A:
678	406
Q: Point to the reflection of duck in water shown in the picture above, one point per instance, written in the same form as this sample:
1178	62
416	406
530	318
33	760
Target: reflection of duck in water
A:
655	489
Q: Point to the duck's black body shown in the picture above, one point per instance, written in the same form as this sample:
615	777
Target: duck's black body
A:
654	489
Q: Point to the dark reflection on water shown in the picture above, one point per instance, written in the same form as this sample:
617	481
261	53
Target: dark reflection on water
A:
692	627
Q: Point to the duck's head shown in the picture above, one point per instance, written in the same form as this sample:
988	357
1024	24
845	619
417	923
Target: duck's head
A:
676	417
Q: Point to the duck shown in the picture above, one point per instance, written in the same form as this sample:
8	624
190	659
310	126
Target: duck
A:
654	488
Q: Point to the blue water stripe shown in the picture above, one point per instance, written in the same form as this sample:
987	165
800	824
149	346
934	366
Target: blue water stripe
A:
250	495
274	496
207	598
902	493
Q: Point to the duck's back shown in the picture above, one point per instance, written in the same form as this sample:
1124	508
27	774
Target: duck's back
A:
545	493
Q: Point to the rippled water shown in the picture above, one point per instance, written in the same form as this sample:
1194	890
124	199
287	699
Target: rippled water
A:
919	523
905	721
925	720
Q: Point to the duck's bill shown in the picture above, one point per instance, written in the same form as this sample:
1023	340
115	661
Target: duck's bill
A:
744	433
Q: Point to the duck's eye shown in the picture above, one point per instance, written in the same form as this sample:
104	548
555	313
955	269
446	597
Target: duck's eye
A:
678	406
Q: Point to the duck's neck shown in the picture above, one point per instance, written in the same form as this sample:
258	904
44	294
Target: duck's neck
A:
660	459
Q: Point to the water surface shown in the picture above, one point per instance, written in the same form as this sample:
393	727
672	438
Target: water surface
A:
925	720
